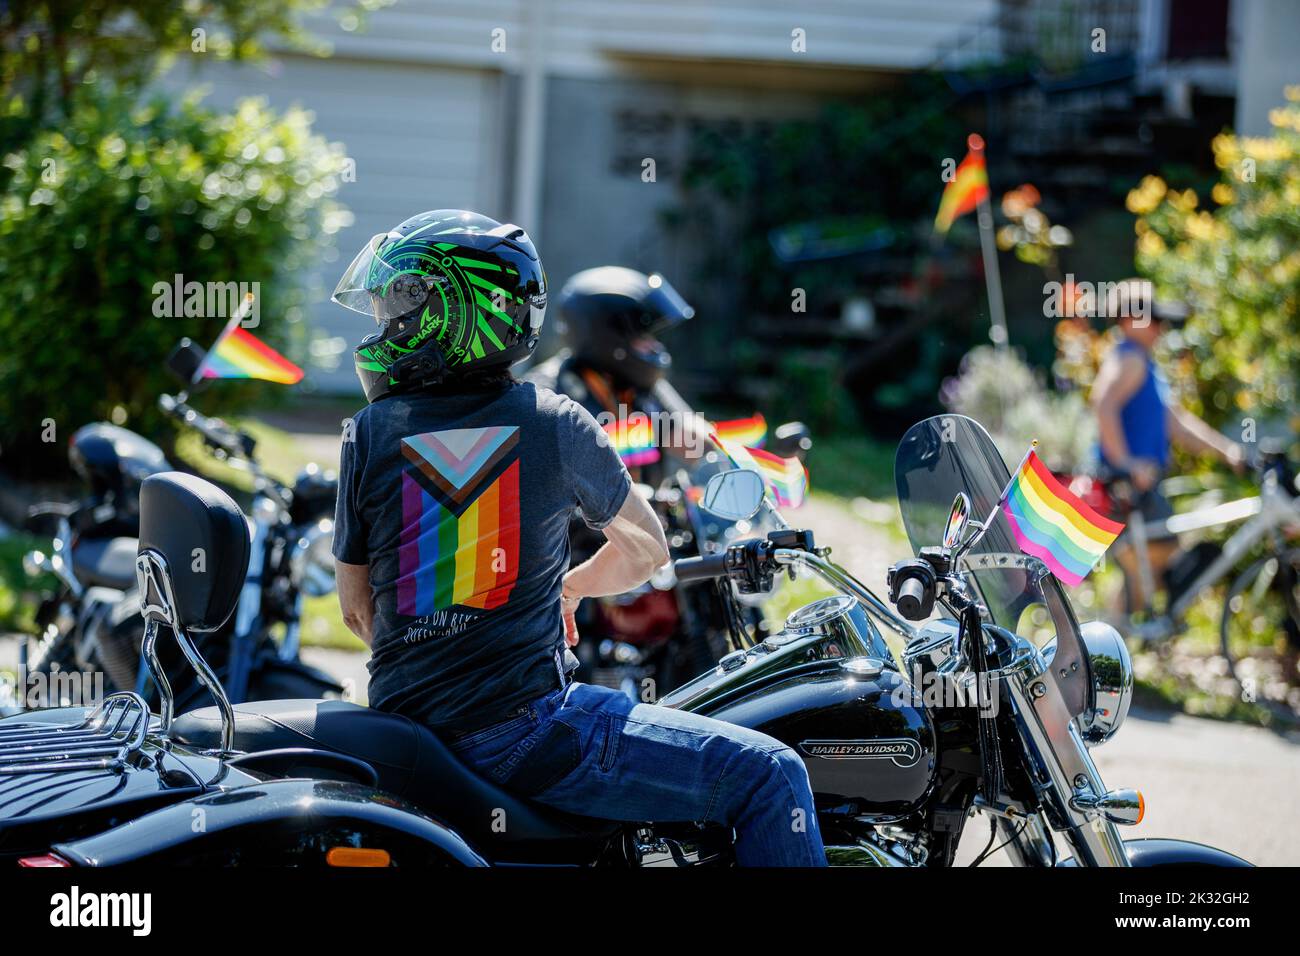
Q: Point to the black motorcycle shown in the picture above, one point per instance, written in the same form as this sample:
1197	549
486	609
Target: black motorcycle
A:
973	718
89	622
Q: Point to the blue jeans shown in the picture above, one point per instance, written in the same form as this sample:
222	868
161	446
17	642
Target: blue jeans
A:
594	751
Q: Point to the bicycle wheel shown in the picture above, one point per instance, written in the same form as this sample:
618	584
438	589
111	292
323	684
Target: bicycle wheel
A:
1261	619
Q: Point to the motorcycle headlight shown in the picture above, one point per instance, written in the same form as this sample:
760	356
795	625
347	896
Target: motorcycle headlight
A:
1112	682
312	562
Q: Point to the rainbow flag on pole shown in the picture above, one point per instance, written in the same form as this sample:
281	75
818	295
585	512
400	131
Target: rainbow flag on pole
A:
238	354
968	187
786	478
1052	524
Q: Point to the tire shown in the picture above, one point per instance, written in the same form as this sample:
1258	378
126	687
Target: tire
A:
1261	615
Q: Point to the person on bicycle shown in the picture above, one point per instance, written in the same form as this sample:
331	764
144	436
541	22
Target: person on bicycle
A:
1138	421
452	546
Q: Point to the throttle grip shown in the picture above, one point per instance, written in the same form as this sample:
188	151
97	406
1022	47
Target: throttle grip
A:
698	569
911	596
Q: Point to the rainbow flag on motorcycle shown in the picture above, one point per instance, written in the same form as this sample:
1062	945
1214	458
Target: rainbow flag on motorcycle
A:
634	440
747	432
1054	525
238	354
786	478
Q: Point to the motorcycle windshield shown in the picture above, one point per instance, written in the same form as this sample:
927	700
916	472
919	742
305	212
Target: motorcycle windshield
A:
947	454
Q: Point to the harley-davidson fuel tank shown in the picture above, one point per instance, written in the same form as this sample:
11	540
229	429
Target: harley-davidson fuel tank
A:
828	686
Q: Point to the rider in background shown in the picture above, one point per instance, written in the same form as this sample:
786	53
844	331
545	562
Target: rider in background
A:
1137	420
613	363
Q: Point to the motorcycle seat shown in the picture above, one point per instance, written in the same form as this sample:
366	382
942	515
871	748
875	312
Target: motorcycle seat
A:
412	763
105	562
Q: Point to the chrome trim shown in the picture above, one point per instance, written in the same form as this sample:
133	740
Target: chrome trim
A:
103	740
158	605
836	576
872	851
1112	682
1063	760
1123	807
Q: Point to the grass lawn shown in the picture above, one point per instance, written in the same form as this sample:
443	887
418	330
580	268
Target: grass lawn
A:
852	466
16	604
281	457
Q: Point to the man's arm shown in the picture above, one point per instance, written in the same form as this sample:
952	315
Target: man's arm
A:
1191	433
634	547
355	598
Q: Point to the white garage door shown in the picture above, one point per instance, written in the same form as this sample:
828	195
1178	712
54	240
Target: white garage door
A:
422	137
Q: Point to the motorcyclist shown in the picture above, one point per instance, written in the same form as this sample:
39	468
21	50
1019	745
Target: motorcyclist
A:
613	363
452	547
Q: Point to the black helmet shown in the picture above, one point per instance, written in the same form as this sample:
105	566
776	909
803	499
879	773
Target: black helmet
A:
455	295
609	315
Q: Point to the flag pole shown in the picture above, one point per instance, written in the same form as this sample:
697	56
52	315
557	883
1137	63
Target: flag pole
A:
992	277
236	318
1010	481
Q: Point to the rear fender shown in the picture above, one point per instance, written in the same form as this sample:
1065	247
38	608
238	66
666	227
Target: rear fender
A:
279	822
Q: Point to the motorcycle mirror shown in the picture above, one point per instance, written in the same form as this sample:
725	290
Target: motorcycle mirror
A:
958	519
734	495
184	360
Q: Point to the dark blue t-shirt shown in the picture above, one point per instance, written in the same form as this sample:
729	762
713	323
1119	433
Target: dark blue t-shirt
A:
460	504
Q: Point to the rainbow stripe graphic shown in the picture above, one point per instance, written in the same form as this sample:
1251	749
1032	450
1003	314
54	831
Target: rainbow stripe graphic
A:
237	354
460	520
1053	525
786	478
634	440
747	432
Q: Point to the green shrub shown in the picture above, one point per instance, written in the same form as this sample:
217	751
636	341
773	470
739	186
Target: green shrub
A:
1237	265
121	198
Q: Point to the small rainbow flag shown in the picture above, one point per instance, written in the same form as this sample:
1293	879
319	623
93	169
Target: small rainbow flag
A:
747	432
634	440
1052	524
237	354
786	478
967	188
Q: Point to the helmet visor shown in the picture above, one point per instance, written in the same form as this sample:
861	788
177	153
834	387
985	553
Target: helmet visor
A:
375	288
664	306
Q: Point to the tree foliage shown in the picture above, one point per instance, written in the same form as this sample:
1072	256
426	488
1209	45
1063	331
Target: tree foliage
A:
1237	265
120	198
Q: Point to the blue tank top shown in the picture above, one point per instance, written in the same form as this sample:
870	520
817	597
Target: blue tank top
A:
1143	417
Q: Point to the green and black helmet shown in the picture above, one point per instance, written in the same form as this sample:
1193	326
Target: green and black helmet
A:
456	296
